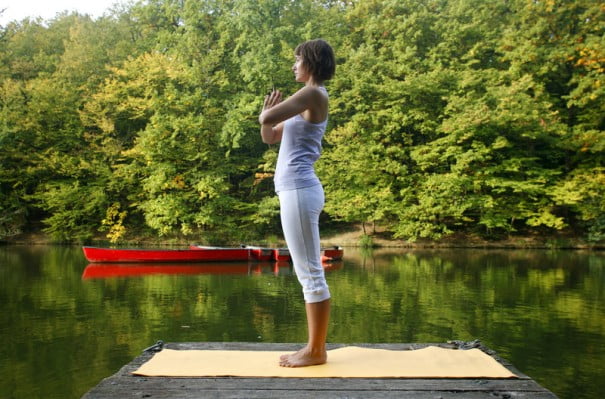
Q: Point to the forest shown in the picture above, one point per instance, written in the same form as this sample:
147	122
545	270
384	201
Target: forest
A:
446	117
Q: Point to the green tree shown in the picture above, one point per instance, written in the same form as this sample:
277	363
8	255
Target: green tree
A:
559	43
446	116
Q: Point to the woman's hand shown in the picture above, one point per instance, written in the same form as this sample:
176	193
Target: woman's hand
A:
272	99
270	134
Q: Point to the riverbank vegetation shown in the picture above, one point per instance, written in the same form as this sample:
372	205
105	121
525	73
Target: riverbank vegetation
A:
447	117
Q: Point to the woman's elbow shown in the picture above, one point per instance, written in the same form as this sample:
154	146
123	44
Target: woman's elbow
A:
262	119
269	139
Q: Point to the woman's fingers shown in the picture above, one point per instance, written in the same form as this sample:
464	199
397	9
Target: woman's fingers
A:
272	99
274	96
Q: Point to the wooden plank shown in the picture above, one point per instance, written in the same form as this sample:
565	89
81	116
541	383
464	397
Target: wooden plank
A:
294	394
359	384
125	385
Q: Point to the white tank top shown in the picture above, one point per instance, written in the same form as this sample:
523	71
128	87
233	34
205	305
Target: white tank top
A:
299	149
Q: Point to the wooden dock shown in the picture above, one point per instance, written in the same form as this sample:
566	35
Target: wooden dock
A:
124	385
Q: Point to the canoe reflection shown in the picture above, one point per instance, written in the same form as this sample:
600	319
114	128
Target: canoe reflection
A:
104	270
332	265
108	270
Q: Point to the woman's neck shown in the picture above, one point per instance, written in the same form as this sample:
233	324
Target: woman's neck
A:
313	83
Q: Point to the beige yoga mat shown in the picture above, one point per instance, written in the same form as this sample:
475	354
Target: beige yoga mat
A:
347	362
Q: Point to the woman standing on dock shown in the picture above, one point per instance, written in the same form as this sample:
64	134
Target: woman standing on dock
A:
299	123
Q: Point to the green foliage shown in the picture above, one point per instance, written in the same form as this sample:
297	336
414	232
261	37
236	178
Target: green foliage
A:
72	210
446	116
366	241
460	118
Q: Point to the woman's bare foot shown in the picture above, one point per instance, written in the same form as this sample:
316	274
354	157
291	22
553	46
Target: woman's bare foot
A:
304	357
314	353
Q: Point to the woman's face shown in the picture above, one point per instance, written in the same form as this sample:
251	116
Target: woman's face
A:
300	71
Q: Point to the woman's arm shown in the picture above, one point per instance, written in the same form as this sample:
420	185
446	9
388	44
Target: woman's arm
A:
307	98
271	134
275	112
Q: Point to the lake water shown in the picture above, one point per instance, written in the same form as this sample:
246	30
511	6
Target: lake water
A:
65	325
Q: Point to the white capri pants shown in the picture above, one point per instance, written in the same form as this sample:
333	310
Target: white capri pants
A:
300	211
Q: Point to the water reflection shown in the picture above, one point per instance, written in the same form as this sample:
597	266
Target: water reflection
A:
66	324
543	310
107	270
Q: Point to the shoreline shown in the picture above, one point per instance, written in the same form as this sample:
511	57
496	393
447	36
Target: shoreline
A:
351	238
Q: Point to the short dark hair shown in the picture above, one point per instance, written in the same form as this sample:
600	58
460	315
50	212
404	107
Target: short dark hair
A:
318	58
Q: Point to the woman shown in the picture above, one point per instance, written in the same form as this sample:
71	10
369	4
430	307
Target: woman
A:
299	123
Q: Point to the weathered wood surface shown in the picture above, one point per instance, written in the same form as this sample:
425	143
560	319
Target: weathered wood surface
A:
125	385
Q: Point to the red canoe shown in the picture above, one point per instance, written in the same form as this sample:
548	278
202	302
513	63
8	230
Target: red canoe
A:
262	254
282	254
208	254
332	253
327	254
197	253
255	253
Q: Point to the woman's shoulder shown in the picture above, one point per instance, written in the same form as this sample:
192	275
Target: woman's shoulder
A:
313	91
